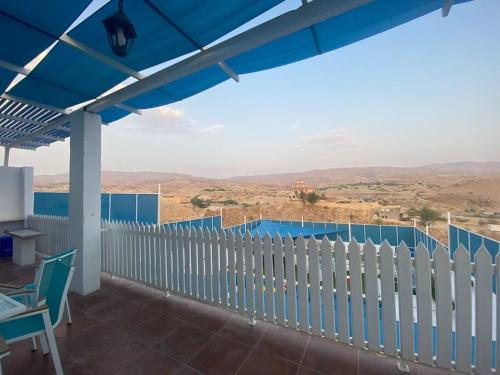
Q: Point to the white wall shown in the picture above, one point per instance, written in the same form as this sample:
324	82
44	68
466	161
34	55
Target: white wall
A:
16	193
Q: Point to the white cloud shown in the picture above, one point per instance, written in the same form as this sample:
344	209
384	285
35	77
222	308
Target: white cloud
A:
211	129
338	137
167	120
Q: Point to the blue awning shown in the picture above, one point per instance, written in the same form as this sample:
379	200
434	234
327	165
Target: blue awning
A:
27	29
337	32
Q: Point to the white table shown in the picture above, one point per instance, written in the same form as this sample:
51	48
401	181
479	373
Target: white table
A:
10	307
23	252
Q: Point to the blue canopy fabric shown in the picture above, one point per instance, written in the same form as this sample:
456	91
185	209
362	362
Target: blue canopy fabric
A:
6	78
67	77
337	32
158	40
180	89
30	28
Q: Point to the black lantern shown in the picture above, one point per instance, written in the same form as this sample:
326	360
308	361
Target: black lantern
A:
120	31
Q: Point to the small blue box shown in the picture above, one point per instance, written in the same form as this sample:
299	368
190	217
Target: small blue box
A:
5	246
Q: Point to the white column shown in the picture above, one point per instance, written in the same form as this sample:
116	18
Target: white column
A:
28	192
6	156
85	200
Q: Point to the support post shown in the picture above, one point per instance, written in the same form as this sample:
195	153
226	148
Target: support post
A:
158	219
6	156
85	200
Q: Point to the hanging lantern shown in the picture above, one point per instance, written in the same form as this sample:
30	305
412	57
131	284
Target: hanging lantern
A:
120	31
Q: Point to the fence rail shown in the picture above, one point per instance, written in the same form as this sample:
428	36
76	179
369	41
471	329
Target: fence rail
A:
432	309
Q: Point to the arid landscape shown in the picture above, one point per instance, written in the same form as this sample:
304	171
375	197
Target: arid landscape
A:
471	191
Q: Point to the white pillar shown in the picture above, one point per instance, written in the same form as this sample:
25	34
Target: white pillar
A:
85	200
28	193
6	157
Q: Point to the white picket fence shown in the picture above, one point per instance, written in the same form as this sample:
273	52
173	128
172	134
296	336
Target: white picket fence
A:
421	309
55	230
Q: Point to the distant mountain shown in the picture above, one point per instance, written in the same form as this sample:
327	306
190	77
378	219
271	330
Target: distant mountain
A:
114	178
316	177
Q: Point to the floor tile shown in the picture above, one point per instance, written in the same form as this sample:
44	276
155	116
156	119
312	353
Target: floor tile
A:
152	362
220	356
286	343
327	356
156	328
184	342
239	330
262	363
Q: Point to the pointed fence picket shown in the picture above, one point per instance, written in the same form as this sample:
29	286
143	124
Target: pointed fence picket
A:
421	308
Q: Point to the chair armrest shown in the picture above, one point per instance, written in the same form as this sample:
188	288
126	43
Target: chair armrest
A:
34	311
11	286
17	293
4	348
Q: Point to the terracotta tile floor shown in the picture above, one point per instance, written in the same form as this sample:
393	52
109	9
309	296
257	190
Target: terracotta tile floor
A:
126	328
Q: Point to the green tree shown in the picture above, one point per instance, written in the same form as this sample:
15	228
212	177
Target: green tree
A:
428	216
199	202
312	197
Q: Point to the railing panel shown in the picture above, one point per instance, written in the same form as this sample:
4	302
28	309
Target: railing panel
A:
327	291
269	279
291	291
207	244
463	310
259	277
315	294
223	268
405	301
341	287
215	267
249	275
339	293
279	258
372	295
484	295
356	294
300	247
240	273
231	269
388	298
424	304
443	306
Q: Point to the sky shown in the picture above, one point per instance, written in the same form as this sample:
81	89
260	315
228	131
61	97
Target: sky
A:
425	92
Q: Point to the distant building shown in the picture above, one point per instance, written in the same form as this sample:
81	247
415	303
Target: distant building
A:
170	200
390	212
301	188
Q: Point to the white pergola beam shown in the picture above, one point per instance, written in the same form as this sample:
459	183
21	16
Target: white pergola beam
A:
35	103
65	38
445	10
128	108
23	132
25	120
230	72
290	22
13	68
51	125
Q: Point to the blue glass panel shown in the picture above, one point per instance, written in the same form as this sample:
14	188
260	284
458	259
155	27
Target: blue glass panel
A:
475	242
105	206
389	233
406	235
343	232
373	232
453	238
492	246
56	204
147	208
358	232
123	207
463	238
218	222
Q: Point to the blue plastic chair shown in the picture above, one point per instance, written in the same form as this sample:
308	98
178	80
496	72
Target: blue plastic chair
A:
30	293
40	321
